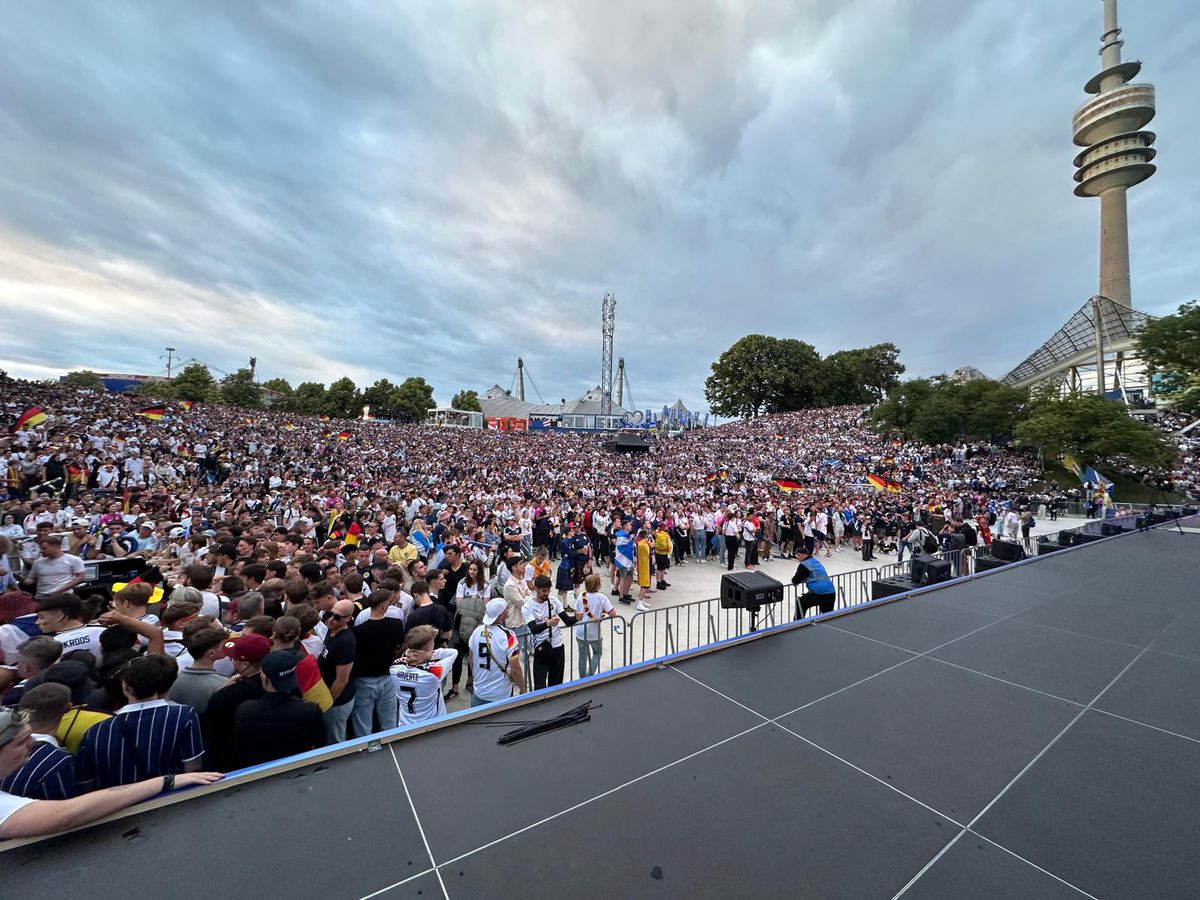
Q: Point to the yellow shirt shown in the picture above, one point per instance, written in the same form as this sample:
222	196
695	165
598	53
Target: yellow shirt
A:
403	555
74	723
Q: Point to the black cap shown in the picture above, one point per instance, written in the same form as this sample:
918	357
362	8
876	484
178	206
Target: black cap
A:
280	668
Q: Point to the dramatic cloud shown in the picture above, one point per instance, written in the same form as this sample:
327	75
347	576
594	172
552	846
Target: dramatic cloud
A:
387	189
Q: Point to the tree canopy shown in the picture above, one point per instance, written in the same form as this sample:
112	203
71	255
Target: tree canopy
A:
413	399
194	382
467	401
1092	429
83	378
343	400
1171	345
940	410
761	374
240	389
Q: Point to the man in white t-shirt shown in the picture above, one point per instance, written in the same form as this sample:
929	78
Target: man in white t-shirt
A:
495	657
54	572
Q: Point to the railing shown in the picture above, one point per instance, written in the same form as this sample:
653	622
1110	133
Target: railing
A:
689	626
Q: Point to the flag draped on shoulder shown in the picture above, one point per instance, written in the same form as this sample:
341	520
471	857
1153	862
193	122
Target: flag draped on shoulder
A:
32	416
623	549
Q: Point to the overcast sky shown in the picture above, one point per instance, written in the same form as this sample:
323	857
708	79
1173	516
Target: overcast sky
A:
409	188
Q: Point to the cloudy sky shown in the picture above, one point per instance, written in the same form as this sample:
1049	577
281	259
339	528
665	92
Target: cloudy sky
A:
431	188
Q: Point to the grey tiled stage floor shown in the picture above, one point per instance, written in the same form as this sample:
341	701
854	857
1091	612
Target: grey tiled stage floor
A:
764	815
1111	808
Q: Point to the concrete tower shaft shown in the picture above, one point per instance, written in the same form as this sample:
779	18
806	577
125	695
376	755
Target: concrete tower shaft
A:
1117	152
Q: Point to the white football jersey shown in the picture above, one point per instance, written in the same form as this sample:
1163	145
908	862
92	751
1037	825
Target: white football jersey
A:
492	646
419	688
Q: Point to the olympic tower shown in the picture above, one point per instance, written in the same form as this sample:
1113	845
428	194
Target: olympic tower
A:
1117	152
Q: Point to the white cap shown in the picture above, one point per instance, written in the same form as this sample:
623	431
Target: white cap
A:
494	610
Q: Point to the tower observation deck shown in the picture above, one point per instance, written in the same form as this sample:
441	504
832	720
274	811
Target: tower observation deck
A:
1117	154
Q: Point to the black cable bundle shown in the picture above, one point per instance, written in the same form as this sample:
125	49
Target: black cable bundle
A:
581	713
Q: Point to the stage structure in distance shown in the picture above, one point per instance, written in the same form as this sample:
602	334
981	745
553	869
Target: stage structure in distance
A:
608	325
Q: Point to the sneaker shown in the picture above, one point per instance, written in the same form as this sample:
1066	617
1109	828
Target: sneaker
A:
643	607
626	599
616	592
666	584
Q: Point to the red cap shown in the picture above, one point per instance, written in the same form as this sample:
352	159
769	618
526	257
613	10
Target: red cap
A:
249	647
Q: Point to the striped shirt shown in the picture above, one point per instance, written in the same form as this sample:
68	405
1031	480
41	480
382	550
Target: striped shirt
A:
48	774
143	740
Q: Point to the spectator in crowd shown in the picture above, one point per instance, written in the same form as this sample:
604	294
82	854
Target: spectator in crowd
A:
61	616
246	653
337	664
34	657
53	572
419	674
279	723
49	773
26	817
495	657
377	645
148	737
199	681
545	616
594	605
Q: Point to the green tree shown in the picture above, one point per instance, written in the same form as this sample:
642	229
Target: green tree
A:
1171	345
309	399
240	389
84	378
280	386
863	375
467	401
1092	429
379	395
343	399
760	374
413	399
154	389
939	410
195	382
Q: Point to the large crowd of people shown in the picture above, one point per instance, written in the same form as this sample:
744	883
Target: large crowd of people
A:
301	581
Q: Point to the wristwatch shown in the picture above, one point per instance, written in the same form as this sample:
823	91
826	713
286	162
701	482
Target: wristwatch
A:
168	783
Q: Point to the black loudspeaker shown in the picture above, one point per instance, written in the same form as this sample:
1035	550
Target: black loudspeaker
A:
937	571
1086	537
1009	551
889	587
987	563
749	590
1045	547
628	443
956	542
1068	537
916	569
1108	529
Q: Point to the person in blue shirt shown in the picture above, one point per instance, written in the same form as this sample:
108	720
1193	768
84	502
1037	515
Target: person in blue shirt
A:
819	590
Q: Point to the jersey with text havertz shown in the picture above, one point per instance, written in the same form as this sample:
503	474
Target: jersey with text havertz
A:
492	646
419	688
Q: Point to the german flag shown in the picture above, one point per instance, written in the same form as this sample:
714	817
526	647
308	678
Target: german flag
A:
187	405
787	485
343	435
884	484
29	418
152	412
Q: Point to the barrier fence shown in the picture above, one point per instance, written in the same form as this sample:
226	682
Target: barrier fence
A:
620	642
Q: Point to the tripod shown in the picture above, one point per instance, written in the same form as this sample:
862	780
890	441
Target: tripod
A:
1157	494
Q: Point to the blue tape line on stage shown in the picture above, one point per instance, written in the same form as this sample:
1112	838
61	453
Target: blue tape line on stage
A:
558	690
